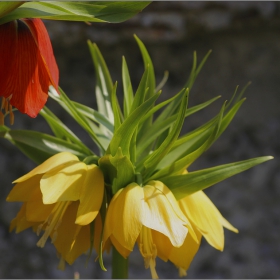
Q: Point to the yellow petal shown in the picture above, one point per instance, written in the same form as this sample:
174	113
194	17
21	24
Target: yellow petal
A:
227	225
122	250
174	204
63	184
124	216
22	191
163	244
49	164
183	256
19	222
205	216
159	215
36	211
71	240
91	195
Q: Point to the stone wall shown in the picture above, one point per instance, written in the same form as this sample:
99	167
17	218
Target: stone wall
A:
244	37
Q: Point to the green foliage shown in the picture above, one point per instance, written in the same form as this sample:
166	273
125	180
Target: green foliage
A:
118	170
183	185
90	11
7	7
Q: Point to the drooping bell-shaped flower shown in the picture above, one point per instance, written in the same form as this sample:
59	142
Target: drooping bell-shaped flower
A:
62	196
142	213
207	221
27	65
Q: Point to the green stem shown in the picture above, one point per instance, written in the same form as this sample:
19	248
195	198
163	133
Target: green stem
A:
119	266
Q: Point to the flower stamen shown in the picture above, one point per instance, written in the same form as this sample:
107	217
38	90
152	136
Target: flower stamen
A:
148	250
8	109
1	118
53	221
11	113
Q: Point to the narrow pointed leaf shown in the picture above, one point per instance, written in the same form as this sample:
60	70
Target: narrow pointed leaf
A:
40	146
127	89
191	141
183	185
159	126
163	81
116	111
151	83
104	84
94	116
142	90
172	107
194	73
60	130
147	63
123	135
158	154
180	165
69	106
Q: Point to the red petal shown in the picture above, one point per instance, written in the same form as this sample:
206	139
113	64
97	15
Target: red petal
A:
24	71
8	41
42	38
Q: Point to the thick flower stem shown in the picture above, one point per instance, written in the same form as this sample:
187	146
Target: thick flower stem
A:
119	266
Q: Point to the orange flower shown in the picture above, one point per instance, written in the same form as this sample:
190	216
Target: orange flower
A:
27	66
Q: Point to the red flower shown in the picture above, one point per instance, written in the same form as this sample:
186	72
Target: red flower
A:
27	65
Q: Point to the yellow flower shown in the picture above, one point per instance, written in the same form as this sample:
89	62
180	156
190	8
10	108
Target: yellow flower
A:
206	221
142	214
62	196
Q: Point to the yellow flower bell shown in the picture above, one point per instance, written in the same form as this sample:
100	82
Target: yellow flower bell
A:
206	221
62	196
143	214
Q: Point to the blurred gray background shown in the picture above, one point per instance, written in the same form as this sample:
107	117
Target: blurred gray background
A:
245	39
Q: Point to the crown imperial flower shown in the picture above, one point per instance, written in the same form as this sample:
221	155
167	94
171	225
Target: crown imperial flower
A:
61	196
142	213
28	66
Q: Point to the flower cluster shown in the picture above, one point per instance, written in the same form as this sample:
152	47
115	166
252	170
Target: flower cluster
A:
137	189
63	196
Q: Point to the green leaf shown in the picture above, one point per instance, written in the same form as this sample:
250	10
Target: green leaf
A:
93	131
122	137
164	148
104	84
4	128
172	108
162	124
195	71
193	140
118	170
162	104
95	116
163	81
151	82
183	185
7	7
116	108
90	11
60	130
147	63
180	165
102	211
142	90
127	89
39	146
